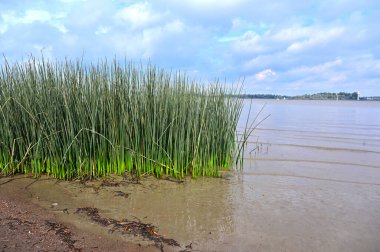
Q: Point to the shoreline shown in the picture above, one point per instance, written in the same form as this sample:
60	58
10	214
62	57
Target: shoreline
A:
27	226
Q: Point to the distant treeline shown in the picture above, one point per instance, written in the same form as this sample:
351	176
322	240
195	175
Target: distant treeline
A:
328	96
317	96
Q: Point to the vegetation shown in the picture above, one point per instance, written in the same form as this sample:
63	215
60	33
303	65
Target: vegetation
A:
260	96
318	96
72	120
328	96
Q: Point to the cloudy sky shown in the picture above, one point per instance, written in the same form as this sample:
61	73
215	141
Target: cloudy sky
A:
281	47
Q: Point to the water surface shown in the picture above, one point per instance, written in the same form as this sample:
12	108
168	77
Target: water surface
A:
311	182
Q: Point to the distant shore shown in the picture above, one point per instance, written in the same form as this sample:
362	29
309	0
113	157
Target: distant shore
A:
355	96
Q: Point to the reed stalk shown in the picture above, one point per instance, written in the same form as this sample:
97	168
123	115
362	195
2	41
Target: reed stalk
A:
72	120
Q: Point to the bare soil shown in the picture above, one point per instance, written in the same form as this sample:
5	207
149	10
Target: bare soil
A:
24	226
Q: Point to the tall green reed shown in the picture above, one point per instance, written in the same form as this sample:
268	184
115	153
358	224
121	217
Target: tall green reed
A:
72	120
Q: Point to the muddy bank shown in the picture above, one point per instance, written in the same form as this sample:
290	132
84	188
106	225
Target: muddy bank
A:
266	208
27	226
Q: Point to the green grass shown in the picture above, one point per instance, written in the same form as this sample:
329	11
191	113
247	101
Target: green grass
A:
71	120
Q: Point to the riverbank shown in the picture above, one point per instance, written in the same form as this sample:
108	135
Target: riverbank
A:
27	226
310	183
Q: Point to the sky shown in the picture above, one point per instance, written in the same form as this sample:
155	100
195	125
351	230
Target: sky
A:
278	47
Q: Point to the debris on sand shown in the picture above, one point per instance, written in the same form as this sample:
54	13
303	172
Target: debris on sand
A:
63	232
93	213
127	227
121	194
108	183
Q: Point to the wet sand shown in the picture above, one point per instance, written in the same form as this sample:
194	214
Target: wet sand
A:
273	213
26	226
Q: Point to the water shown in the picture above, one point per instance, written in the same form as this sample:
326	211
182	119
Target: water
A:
311	182
315	184
330	140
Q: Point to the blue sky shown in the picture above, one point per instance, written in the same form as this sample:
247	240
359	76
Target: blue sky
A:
281	47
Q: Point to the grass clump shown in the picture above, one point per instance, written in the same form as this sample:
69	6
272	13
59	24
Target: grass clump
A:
73	120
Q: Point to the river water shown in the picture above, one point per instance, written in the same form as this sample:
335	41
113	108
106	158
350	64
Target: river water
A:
310	182
315	184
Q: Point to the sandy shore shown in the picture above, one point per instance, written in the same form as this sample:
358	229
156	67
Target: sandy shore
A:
25	226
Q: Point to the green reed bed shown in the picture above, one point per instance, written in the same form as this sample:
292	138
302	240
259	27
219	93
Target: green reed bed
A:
71	120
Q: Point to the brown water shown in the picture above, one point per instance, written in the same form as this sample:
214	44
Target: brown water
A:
311	183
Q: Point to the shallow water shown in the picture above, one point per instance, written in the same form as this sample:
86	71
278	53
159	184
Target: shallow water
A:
311	182
318	174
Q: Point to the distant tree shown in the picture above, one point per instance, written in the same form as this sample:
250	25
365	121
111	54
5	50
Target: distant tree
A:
355	96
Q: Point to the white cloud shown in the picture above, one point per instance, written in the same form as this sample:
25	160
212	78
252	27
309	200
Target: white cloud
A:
12	18
87	16
154	36
175	26
150	41
248	43
138	15
226	39
28	17
317	69
3	28
33	16
213	3
207	4
102	30
293	33
239	23
311	37
338	77
267	73
47	51
310	46
60	27
72	1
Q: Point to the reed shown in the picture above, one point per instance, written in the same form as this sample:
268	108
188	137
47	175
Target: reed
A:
72	120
